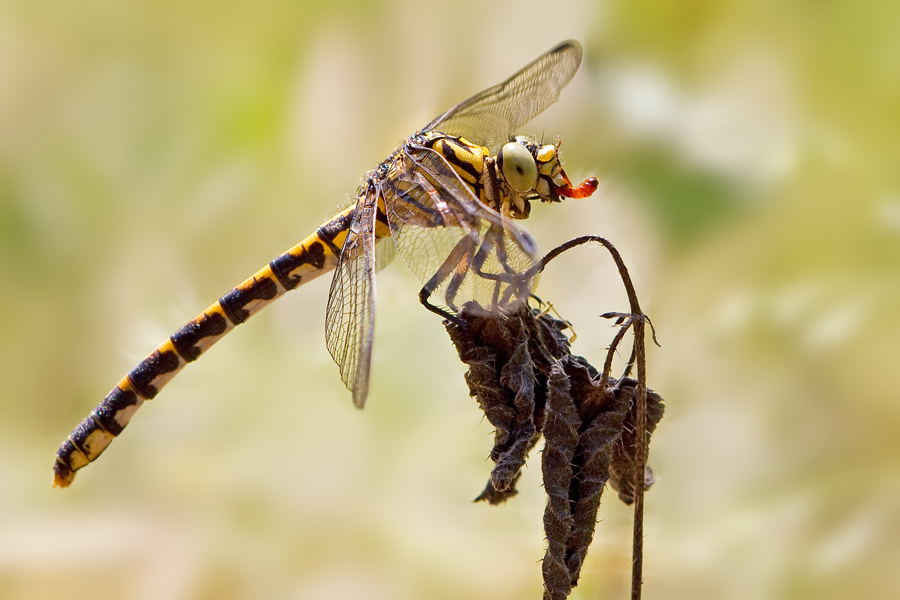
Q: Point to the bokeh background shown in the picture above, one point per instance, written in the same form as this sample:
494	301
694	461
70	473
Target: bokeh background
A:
153	154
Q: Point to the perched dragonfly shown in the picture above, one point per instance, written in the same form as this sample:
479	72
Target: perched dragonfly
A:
447	198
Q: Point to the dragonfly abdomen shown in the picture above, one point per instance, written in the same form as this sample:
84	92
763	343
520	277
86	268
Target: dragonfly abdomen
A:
314	256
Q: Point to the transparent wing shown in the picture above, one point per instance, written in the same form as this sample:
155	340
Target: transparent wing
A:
385	253
455	244
488	118
350	314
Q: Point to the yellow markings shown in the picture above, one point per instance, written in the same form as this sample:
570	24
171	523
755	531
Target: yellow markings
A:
476	151
251	282
160	381
548	165
257	304
267	273
338	240
318	257
77	459
124	415
204	343
96	442
546	153
216	309
382	230
467	153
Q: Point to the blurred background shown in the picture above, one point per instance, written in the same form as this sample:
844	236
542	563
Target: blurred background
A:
154	154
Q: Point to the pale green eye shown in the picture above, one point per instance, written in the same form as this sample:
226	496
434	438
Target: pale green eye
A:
519	169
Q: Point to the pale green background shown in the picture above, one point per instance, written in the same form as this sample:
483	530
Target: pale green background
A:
154	154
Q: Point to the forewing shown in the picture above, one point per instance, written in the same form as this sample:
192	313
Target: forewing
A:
350	314
437	223
488	118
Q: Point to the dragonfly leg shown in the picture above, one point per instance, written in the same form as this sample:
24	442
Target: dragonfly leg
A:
474	265
457	263
424	294
508	285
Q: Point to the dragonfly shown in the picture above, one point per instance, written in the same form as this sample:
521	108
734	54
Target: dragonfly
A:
448	199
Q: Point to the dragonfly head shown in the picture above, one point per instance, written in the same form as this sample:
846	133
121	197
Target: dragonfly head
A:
533	172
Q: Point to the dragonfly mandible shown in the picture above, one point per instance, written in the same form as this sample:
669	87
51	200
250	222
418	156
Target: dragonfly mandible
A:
448	199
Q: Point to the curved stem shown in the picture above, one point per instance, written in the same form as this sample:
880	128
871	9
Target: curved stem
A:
636	320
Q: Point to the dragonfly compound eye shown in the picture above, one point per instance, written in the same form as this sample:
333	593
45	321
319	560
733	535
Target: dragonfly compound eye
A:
518	166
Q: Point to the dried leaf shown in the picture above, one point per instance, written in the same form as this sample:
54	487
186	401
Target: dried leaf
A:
529	384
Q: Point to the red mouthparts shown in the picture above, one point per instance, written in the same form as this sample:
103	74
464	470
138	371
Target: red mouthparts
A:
587	187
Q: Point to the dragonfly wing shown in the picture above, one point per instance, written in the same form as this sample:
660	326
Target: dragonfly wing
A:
385	253
440	226
350	313
489	117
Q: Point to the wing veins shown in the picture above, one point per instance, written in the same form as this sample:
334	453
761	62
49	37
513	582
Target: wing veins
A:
489	117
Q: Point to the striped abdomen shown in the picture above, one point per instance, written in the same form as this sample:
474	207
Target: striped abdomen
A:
314	256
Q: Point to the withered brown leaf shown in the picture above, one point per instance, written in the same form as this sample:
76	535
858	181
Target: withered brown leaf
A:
528	384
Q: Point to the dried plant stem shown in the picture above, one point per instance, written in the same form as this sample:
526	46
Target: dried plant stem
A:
636	321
